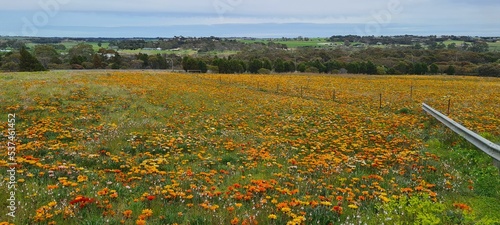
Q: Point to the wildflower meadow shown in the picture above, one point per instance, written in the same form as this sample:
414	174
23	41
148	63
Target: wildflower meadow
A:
153	147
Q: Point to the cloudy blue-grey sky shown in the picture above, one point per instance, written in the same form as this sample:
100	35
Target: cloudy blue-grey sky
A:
250	18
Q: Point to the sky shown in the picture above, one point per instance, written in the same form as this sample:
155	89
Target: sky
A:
248	18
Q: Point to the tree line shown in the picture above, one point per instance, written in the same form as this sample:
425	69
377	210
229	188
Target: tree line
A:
268	58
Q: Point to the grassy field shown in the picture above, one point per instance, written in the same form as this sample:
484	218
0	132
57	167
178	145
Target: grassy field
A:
312	42
149	147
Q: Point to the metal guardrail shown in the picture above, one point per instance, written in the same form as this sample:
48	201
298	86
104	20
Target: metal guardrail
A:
485	145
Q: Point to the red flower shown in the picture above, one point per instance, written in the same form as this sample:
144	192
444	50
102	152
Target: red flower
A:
82	200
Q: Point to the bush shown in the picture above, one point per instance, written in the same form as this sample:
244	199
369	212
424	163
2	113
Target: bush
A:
88	65
381	70
10	66
490	70
77	67
264	71
312	69
419	209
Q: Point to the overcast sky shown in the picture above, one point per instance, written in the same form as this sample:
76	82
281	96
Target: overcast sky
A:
153	18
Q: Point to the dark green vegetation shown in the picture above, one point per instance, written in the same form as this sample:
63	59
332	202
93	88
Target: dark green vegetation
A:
338	54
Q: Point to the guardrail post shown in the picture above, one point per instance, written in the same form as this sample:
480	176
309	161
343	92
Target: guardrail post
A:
496	163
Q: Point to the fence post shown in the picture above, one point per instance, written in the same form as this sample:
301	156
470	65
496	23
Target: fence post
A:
411	92
380	101
449	105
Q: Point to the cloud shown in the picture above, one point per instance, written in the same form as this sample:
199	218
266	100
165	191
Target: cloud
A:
460	14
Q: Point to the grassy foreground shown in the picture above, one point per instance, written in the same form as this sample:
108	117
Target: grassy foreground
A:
146	147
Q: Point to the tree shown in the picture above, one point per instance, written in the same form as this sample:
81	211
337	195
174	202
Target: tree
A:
450	70
302	67
202	66
352	67
434	69
371	68
116	62
479	46
28	62
144	58
254	66
420	68
47	54
402	68
189	63
97	61
289	66
266	63
82	52
279	66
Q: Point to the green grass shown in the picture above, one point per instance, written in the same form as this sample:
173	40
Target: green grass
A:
312	42
154	52
471	168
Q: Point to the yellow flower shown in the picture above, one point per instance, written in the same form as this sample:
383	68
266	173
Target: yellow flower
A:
285	209
147	212
82	178
326	203
52	204
272	216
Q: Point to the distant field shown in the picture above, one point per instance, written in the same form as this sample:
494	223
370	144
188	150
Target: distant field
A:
312	42
152	147
154	52
494	46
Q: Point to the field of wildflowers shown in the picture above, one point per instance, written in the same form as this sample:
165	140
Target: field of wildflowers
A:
146	147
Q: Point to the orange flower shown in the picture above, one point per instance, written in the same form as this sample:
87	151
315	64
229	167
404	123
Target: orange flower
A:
127	213
337	209
235	221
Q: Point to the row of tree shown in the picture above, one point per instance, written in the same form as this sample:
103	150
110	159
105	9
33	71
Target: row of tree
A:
265	59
